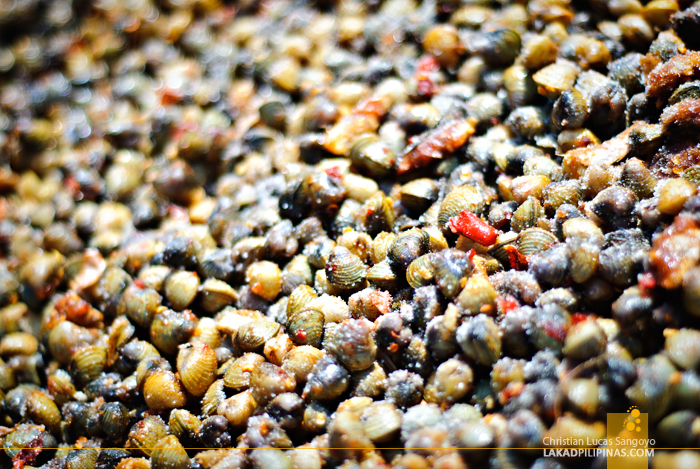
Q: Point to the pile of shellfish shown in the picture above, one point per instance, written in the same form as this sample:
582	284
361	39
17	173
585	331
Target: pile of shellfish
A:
353	234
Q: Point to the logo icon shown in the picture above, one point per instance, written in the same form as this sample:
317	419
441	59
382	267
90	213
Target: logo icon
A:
628	440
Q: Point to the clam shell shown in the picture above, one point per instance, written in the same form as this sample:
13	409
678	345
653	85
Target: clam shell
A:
87	363
419	194
306	327
460	199
527	215
381	275
214	396
42	410
183	424
535	240
169	454
238	374
420	272
253	335
299	298
217	294
18	343
144	435
344	269
114	420
84	458
163	390
196	364
381	421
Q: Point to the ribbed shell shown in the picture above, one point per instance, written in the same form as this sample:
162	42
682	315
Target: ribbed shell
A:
145	434
299	298
527	215
253	335
42	410
462	198
306	327
196	364
18	343
420	271
238	374
535	240
381	421
183	424
344	269
85	458
87	363
382	276
169	454
114	419
214	396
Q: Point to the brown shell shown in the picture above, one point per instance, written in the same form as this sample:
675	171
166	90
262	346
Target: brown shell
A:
163	390
238	374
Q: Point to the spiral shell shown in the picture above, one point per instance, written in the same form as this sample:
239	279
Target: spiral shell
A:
268	380
306	327
196	364
372	155
344	269
300	361
352	344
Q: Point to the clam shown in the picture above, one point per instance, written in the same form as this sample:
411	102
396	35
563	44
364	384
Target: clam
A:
306	327
196	365
533	240
344	269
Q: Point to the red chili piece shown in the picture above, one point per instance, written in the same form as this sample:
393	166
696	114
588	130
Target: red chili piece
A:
469	225
578	317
